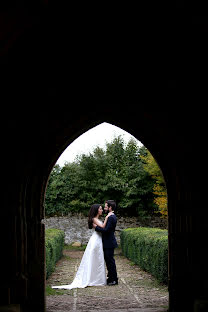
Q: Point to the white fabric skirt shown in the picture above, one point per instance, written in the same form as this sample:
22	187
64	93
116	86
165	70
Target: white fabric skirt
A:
91	271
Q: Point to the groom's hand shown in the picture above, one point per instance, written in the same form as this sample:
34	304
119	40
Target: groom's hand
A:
94	225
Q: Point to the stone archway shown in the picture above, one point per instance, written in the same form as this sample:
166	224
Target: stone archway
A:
73	227
33	136
24	284
95	123
164	142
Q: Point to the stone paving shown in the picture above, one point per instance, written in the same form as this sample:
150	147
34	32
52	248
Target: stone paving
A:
137	290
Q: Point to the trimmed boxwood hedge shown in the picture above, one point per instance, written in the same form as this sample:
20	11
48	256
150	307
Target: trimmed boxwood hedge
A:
54	243
148	248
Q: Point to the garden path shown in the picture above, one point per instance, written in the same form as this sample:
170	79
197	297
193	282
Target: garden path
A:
137	290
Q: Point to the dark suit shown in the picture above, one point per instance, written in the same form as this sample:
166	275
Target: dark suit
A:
109	244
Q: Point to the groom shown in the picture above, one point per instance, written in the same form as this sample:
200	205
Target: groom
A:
109	242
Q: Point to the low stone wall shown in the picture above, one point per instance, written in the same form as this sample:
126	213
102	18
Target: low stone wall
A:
76	229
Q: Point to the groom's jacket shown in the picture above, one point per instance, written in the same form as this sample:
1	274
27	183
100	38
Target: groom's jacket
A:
108	237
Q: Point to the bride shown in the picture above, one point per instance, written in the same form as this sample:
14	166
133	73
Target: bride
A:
91	271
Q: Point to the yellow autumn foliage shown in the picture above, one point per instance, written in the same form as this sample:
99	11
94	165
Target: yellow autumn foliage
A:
159	189
161	199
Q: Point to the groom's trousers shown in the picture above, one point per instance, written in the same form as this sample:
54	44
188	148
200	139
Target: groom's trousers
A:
110	263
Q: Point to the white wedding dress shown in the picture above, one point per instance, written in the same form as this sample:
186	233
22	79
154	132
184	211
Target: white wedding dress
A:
91	271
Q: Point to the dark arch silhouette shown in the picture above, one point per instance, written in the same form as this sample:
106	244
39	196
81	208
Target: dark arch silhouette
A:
161	136
40	75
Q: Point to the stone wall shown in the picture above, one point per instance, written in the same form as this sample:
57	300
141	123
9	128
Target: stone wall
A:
76	227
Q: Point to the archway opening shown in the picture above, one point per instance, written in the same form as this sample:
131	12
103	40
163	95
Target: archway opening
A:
125	153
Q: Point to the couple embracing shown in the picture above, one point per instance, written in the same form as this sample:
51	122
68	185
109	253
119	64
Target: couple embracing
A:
99	250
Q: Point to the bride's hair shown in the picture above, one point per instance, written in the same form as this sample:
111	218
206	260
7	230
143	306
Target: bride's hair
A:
92	213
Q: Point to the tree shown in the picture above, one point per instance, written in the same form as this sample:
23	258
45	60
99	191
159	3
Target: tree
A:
52	202
138	183
115	172
159	189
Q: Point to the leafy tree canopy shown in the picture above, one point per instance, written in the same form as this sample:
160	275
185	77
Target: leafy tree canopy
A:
123	172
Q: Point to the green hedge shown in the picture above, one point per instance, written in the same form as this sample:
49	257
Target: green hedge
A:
148	248
54	249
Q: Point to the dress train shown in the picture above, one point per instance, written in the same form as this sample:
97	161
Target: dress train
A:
91	271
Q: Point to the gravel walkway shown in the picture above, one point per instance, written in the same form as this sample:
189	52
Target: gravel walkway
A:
136	291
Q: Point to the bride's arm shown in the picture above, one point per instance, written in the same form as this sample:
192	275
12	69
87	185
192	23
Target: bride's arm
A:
95	221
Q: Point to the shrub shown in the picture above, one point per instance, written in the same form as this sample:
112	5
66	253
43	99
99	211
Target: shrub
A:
54	249
77	206
148	248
